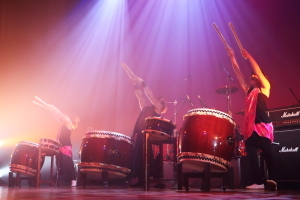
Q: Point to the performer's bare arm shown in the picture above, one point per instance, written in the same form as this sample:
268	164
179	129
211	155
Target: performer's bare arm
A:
158	106
141	99
237	71
154	101
137	80
263	80
60	117
138	92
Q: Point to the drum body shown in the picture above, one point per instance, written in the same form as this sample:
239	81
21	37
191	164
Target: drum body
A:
49	146
24	158
206	136
106	151
160	124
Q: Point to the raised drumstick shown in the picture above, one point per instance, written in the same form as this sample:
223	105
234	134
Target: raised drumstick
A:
128	72
221	36
125	69
236	36
41	100
38	104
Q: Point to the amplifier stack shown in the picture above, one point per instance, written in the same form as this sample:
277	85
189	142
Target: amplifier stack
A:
286	121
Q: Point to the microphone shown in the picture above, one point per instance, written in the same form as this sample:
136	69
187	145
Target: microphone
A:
189	100
201	101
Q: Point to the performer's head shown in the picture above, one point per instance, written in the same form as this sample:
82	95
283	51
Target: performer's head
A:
254	80
164	105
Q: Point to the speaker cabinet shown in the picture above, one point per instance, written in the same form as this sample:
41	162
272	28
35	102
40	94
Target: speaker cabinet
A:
287	154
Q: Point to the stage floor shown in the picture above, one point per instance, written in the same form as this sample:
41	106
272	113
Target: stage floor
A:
95	192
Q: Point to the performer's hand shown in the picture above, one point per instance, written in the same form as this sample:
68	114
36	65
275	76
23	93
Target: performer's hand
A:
49	107
138	80
245	53
230	52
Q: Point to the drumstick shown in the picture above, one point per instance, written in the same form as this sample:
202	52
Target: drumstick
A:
41	100
236	36
132	75
221	36
38	104
126	68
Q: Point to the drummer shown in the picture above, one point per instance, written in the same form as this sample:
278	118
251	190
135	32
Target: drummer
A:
258	132
64	160
158	106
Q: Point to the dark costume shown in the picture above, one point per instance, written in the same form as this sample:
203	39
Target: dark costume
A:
64	159
258	134
137	139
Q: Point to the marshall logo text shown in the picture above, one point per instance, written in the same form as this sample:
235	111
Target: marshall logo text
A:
284	149
292	114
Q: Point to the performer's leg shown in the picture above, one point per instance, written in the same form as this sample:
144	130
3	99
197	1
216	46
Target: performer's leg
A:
251	148
137	163
266	147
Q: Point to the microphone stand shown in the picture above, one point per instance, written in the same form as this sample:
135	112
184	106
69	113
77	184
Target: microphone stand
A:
228	91
202	102
175	106
294	95
176	112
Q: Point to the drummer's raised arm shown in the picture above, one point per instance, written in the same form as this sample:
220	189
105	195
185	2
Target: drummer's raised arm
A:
60	117
237	71
263	80
155	102
140	97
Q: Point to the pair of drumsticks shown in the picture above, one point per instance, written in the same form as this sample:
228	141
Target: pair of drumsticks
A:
39	104
234	34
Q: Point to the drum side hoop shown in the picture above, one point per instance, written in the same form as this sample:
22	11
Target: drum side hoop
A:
168	137
50	141
49	148
107	134
32	144
161	119
211	112
203	157
22	168
93	166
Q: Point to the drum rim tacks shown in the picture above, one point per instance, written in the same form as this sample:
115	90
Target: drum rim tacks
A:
107	134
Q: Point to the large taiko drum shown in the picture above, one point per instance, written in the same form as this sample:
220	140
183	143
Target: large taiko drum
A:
159	128
24	158
106	151
206	136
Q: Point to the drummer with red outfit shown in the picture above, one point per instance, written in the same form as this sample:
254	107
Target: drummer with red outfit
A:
158	106
64	159
258	132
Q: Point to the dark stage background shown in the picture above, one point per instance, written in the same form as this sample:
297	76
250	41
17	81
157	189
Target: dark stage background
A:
68	52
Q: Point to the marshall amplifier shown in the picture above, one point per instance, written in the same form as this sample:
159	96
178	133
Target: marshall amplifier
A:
285	116
287	154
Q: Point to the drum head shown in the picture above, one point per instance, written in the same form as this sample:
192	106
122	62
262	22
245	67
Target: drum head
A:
49	147
107	134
